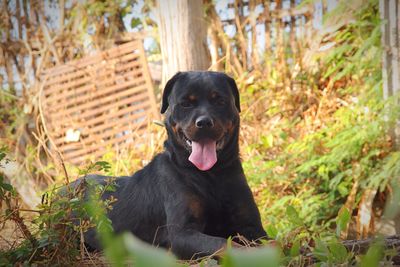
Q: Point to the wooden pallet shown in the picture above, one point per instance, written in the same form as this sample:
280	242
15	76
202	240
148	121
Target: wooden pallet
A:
97	102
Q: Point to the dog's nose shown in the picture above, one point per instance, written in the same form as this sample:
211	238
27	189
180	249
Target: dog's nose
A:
204	122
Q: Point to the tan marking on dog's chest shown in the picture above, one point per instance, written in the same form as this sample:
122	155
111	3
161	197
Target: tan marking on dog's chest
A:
195	206
192	97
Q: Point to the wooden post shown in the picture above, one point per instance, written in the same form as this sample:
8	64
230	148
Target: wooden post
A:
280	43
268	47
254	47
293	31
389	10
183	36
240	34
214	46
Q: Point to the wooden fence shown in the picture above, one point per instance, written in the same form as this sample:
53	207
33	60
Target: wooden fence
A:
99	101
263	35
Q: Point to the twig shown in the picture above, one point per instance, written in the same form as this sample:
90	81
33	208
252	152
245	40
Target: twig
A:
9	95
33	254
5	240
82	243
46	34
42	144
29	210
19	221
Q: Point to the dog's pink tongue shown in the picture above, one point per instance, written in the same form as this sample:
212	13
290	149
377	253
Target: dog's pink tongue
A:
204	154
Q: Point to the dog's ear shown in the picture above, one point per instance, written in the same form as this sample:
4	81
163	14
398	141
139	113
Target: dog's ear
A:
167	91
235	92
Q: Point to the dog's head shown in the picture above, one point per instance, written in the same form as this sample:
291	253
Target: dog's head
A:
202	114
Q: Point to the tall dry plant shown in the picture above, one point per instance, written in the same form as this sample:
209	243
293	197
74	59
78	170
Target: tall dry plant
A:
38	35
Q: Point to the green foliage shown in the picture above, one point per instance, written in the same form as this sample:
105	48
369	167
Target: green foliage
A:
257	257
10	114
4	186
331	252
303	173
66	213
293	216
342	220
374	255
53	236
318	164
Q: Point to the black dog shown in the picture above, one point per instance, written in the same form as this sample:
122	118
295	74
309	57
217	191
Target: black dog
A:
194	195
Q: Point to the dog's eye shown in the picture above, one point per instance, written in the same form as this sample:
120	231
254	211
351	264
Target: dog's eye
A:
187	103
221	101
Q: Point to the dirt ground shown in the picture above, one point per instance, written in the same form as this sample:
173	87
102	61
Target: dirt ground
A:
10	235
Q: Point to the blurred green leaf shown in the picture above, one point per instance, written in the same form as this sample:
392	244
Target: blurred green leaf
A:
135	22
321	251
339	252
144	255
3	151
295	249
374	255
343	189
272	231
103	166
293	216
6	187
342	220
254	257
267	140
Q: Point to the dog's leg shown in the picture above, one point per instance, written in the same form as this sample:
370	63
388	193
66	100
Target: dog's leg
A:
244	217
185	231
192	244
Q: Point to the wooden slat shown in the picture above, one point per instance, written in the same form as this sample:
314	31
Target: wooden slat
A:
87	61
101	105
97	63
141	108
106	77
108	142
97	94
101	65
81	77
58	73
105	128
93	130
108	97
57	88
105	141
92	91
116	78
100	151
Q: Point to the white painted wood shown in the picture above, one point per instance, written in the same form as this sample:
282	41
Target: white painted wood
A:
318	13
389	10
20	180
394	45
383	9
331	5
